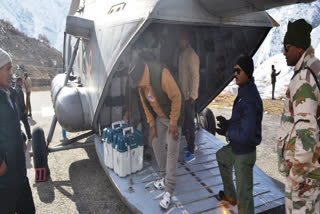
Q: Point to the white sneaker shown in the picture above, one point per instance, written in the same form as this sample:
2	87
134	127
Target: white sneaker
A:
159	184
165	202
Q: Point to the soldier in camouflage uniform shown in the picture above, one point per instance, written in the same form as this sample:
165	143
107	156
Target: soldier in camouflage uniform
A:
298	142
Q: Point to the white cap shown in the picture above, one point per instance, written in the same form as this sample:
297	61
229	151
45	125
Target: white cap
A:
4	58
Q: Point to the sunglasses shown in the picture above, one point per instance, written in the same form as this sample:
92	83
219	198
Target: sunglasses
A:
237	70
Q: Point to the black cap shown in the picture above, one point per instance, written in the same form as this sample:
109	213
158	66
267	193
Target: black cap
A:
246	64
298	34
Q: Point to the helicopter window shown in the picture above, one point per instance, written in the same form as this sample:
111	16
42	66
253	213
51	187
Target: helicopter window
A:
117	7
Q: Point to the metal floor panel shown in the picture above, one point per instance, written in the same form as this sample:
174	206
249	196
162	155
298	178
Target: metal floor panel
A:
197	184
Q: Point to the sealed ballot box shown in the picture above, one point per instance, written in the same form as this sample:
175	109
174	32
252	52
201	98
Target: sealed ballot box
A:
128	152
109	134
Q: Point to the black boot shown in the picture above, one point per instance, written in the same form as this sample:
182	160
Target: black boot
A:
222	197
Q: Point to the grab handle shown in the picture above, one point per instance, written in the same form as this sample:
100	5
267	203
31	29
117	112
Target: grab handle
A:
116	124
127	129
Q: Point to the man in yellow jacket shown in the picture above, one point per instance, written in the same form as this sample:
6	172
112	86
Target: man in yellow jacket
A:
162	101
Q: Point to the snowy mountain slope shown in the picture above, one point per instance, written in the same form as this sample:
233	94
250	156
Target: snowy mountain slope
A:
263	71
262	75
270	52
273	44
34	17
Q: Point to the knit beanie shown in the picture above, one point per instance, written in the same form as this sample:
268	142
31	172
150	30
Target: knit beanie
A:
4	58
298	34
246	63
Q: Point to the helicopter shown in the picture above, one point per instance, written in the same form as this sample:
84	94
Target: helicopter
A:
100	42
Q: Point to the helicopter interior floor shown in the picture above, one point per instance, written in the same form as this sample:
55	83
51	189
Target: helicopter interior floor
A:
198	183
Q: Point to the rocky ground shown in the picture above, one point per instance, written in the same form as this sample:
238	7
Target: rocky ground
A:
273	107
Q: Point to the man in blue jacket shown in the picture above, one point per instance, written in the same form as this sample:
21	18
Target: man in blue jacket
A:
243	132
15	192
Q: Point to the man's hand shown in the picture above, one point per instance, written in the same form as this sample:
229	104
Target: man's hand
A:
221	132
191	100
153	133
222	121
174	132
223	125
3	168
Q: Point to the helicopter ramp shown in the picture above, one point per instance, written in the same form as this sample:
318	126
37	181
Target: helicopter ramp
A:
198	183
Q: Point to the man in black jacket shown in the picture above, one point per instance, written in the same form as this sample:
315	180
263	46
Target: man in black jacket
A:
22	107
15	192
243	131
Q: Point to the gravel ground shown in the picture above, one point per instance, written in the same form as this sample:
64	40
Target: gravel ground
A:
78	184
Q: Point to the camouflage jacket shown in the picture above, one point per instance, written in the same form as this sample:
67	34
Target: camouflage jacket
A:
298	143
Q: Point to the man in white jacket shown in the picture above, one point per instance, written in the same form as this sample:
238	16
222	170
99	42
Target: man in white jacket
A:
189	65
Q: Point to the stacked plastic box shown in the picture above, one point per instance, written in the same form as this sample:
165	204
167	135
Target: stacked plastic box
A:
108	135
123	149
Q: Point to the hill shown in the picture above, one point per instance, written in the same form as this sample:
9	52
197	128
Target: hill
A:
35	17
271	50
31	55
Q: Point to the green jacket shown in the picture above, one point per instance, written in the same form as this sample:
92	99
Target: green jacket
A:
11	144
155	70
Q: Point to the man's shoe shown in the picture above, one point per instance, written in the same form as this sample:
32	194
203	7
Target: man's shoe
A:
159	184
189	157
221	196
165	202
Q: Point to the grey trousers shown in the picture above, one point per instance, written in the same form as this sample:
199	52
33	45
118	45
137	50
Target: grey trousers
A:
166	150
